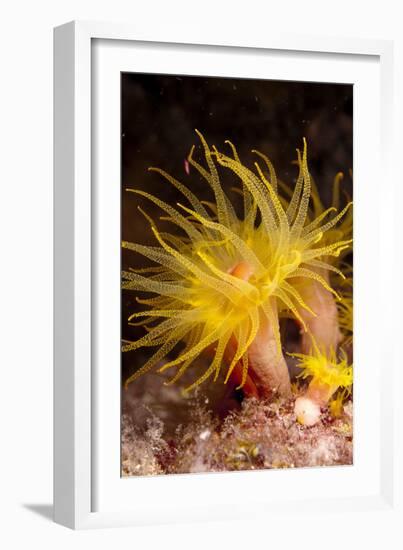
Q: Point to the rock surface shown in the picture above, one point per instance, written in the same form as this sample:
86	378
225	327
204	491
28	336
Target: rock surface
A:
172	434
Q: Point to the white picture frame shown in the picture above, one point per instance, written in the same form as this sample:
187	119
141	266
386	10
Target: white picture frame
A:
87	489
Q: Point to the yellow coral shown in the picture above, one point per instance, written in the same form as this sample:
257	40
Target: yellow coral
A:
318	212
336	403
344	229
218	277
326	369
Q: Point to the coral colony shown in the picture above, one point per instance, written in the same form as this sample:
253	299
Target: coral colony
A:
226	287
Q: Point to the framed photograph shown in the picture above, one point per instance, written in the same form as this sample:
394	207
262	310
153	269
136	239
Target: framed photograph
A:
219	260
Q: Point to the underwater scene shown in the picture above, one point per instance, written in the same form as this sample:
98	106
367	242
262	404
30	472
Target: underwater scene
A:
237	274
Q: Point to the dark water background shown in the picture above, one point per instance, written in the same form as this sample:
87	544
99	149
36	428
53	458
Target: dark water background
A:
160	113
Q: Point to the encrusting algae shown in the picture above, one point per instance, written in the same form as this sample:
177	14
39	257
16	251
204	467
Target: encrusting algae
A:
221	282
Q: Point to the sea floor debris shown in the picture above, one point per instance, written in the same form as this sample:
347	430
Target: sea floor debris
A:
174	435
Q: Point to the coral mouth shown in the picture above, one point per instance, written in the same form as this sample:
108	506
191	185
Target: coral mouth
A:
242	270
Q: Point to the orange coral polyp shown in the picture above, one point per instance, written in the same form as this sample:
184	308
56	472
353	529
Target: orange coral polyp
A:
328	374
228	278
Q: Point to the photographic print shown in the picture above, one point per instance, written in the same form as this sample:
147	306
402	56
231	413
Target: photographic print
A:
237	274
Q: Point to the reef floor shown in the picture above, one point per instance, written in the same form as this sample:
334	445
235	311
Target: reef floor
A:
164	432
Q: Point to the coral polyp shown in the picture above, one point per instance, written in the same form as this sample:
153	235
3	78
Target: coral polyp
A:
220	281
328	373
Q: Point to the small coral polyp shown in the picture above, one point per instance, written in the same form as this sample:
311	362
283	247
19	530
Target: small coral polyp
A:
328	373
221	283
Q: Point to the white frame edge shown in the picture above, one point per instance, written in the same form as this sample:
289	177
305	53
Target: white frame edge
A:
72	274
72	248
